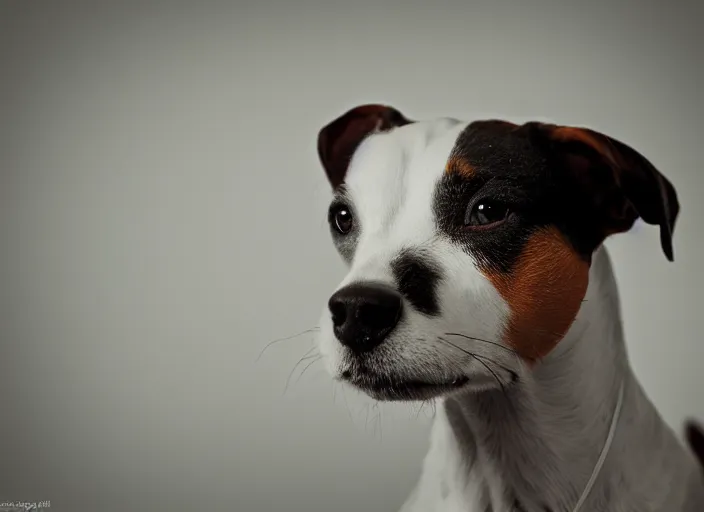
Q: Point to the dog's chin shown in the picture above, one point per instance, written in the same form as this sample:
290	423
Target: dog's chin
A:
387	388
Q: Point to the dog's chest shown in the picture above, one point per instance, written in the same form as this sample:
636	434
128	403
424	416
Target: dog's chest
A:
448	482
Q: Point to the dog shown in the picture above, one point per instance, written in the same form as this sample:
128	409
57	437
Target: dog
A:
478	280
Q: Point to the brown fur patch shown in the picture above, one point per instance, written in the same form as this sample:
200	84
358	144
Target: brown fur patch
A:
544	292
568	133
459	166
585	136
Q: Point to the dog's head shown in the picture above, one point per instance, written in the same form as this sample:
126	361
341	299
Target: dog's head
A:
469	245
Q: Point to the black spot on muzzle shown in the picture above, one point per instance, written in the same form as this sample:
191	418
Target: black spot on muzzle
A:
417	277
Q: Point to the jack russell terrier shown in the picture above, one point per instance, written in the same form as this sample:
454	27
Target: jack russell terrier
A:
477	279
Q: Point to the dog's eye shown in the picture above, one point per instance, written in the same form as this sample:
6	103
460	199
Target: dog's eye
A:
342	220
486	214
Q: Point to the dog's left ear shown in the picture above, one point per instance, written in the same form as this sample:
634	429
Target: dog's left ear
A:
621	183
338	140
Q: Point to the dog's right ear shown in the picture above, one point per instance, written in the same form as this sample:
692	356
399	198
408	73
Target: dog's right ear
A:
338	140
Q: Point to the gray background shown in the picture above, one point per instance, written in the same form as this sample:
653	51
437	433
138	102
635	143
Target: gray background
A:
162	217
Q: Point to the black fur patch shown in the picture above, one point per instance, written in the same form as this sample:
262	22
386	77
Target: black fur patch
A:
695	439
517	506
417	278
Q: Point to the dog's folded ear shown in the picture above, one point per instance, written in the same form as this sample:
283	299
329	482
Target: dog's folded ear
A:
338	140
621	183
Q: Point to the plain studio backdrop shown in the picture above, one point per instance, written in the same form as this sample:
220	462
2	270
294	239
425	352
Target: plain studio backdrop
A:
162	218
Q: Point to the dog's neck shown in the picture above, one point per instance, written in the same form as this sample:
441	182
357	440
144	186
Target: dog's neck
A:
542	437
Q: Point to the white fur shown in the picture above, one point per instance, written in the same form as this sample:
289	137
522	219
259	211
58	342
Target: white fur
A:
391	180
447	484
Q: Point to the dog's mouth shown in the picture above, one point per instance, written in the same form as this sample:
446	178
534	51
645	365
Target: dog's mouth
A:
389	388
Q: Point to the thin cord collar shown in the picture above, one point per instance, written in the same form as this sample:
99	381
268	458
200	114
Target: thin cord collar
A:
604	450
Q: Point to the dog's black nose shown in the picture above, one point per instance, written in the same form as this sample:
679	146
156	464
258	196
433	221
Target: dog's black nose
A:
363	314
